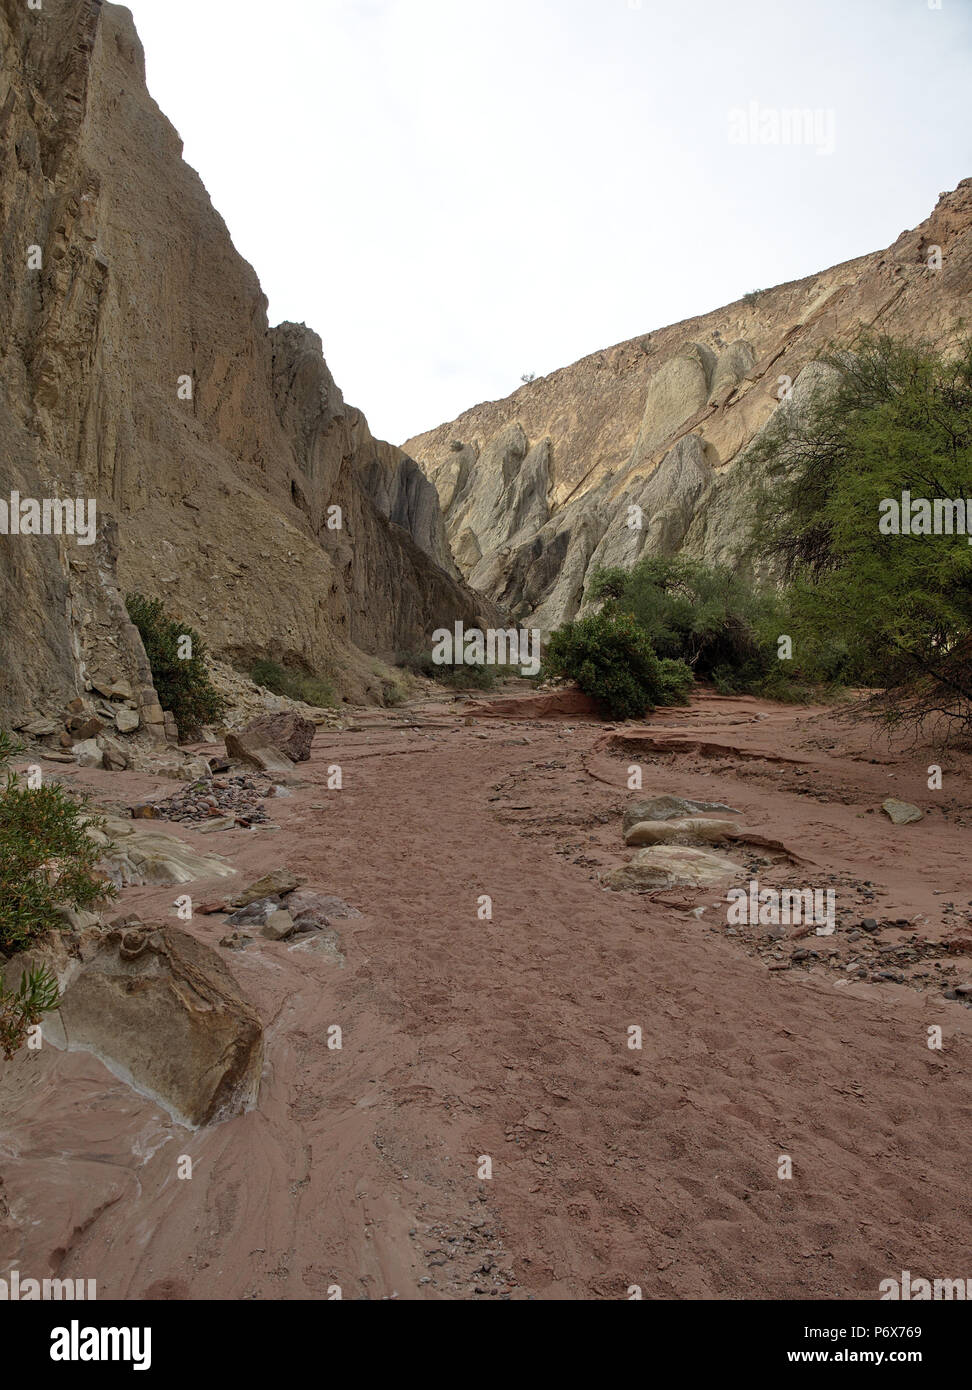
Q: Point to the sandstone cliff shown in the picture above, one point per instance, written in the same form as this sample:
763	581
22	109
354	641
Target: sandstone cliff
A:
536	488
118	282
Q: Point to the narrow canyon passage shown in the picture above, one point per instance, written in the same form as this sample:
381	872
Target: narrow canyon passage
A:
507	1039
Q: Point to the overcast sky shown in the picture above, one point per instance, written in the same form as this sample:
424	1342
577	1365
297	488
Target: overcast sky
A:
456	192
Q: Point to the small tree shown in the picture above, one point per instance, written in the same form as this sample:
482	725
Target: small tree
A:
177	656
896	420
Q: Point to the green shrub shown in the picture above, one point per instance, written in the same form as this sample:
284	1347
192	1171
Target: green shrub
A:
610	657
711	617
181	681
20	1009
47	860
295	685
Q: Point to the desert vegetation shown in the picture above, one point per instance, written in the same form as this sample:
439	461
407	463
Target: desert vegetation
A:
848	597
295	685
177	656
47	863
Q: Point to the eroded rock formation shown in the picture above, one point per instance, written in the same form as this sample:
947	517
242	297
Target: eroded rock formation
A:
137	368
536	489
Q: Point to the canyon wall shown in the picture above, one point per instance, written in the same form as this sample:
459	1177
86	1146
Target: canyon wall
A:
138	369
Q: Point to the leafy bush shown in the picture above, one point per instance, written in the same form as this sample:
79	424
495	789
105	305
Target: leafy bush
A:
295	685
47	860
711	617
182	682
611	658
20	1009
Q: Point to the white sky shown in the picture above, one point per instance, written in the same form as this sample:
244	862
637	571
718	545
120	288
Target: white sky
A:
455	192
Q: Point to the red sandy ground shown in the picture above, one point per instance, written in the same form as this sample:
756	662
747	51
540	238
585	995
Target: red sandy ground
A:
508	1038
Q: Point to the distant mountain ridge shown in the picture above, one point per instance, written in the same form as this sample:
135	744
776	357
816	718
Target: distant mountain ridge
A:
536	488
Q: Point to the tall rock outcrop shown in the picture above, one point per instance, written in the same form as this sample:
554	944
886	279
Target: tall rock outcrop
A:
137	368
538	488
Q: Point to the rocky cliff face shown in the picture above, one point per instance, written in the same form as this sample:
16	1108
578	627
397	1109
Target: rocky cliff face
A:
536	489
138	369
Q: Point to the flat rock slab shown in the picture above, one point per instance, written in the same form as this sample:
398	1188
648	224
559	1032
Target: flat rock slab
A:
654	832
672	866
162	1010
662	808
902	812
134	857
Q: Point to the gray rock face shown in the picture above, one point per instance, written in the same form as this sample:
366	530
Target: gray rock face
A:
235	485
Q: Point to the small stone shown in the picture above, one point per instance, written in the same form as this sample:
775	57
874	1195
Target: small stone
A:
114	757
280	882
902	812
89	753
40	728
279	926
145	811
255	914
85	729
126	721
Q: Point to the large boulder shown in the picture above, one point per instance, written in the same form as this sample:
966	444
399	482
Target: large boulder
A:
287	733
162	1009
